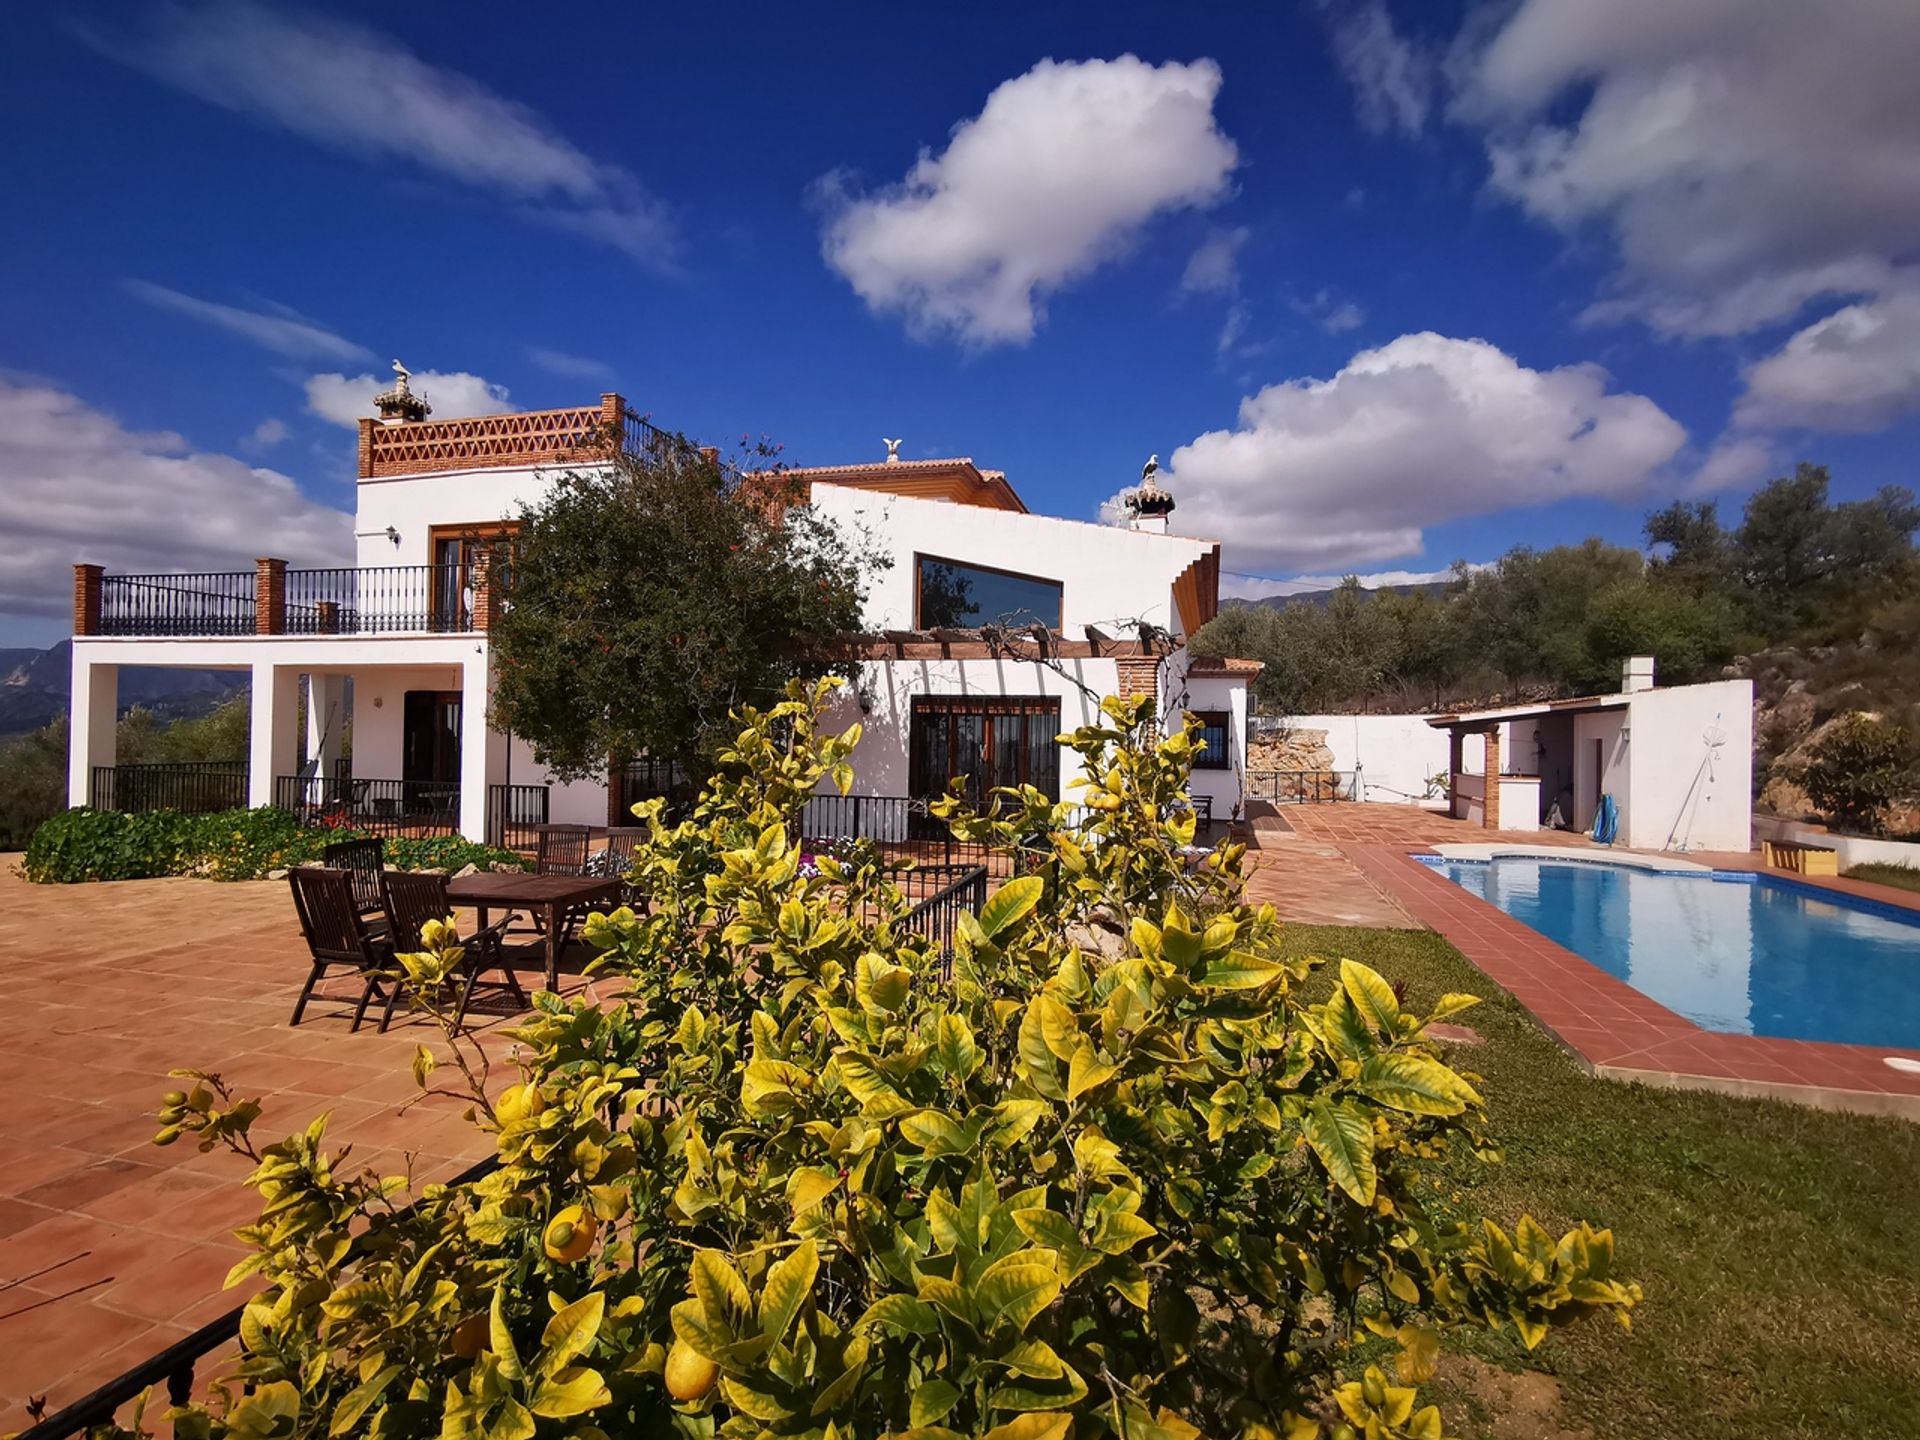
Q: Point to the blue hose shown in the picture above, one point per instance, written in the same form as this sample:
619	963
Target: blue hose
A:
1606	820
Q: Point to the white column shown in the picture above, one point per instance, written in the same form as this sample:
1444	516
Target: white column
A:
275	735
475	684
92	713
326	720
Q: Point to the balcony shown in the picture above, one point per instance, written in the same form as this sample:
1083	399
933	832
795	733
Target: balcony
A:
274	600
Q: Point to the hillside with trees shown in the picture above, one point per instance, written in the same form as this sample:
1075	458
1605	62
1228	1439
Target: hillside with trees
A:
1817	601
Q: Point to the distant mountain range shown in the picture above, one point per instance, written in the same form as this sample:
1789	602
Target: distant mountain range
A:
34	686
1435	588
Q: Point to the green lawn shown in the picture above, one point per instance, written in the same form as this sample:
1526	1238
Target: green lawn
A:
1779	1246
1901	877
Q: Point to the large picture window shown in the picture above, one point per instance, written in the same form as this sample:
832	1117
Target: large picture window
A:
992	742
950	595
1215	735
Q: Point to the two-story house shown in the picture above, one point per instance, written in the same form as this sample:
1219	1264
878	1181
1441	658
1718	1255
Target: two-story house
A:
993	630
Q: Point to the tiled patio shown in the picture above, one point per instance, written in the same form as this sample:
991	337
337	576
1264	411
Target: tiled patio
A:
111	1249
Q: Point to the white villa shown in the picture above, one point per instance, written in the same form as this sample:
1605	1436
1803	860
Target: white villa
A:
1077	611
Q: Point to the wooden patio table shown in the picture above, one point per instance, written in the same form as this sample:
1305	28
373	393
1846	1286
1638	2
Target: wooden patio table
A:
550	895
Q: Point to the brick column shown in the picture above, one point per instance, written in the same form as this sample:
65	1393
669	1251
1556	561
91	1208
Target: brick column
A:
1456	742
484	597
366	445
1491	815
613	422
86	599
269	597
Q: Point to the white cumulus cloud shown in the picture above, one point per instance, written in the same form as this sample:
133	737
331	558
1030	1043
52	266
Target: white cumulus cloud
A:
1856	369
1055	175
75	485
1321	475
1746	157
344	399
348	88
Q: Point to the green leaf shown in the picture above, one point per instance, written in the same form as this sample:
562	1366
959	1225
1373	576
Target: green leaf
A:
1342	1138
808	1186
903	1314
789	1283
1415	1084
954	1046
722	1294
512	1423
500	1338
357	1401
1372	997
1010	903
572	1330
1013	1120
1014	1290
879	987
932	1401
1452	1003
1032	1427
1042	1070
935	1133
1087	1071
571	1392
1241	971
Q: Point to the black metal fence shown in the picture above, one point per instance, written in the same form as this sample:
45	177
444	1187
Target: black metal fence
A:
514	812
639	780
192	603
379	807
950	892
380	600
191	787
1300	787
903	826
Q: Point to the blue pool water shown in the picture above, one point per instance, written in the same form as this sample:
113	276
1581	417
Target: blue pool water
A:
1746	954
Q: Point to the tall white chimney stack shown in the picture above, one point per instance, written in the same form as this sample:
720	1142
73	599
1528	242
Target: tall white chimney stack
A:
1636	674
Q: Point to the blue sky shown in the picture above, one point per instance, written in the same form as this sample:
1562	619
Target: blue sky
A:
1384	285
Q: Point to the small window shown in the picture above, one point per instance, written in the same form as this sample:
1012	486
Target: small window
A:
1214	732
950	595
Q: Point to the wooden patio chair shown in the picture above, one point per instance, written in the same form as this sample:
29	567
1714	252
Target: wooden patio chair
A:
337	936
622	840
561	849
363	860
414	898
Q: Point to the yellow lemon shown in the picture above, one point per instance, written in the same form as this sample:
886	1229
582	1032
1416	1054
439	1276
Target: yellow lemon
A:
570	1234
689	1373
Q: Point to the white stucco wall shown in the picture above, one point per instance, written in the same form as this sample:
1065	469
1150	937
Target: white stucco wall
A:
1605	727
1394	754
1691	767
415	504
1108	576
886	689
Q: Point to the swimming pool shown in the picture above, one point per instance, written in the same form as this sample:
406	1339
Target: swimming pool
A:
1744	954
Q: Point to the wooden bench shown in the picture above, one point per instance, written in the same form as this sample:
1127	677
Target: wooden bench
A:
1799	858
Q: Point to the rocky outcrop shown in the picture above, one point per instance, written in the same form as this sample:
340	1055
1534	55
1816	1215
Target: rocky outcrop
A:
1290	749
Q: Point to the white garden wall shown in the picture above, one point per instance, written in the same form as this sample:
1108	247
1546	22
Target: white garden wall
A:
1394	754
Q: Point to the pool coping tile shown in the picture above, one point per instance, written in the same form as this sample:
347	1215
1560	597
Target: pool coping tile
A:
1616	1032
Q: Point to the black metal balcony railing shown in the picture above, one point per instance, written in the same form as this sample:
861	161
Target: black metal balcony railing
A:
192	788
376	806
380	600
200	603
376	600
514	813
950	891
